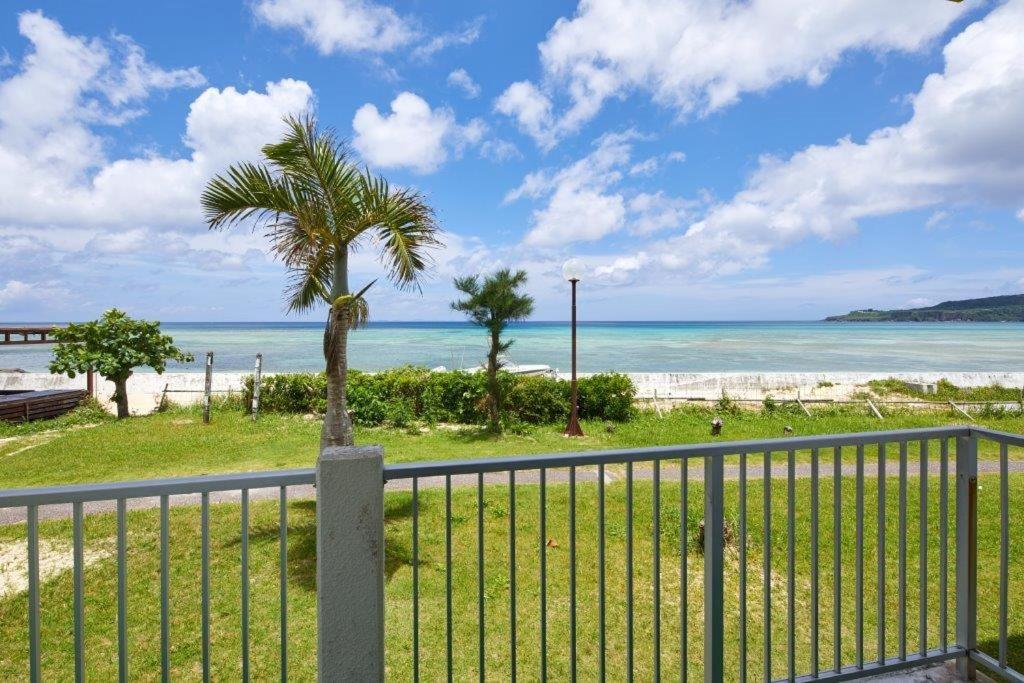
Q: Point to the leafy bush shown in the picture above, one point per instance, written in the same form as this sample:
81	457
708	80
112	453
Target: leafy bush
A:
301	392
454	397
607	396
400	396
725	404
538	400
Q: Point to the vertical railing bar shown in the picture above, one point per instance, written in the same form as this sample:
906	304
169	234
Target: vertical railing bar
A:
122	591
944	543
78	553
922	551
480	573
743	568
880	616
684	571
165	585
966	553
901	624
572	574
448	573
543	577
767	569
32	521
815	503
859	559
512	569
656	571
837	542
415	578
245	584
602	634
791	564
1004	548
282	550
204	581
714	592
629	571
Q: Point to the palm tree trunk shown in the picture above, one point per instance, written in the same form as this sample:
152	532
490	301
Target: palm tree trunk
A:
337	429
493	390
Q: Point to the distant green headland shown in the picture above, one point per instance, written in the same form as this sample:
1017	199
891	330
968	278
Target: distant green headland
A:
1008	308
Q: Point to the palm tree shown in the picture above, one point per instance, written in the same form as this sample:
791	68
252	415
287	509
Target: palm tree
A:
316	206
492	303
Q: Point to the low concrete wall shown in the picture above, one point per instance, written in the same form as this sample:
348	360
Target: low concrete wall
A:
145	388
755	385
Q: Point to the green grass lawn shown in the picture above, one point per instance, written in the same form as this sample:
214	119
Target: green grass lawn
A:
143	577
177	443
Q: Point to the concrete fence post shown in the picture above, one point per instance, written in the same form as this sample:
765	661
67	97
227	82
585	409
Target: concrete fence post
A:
966	552
350	564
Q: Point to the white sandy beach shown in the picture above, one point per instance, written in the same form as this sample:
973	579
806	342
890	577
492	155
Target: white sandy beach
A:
146	389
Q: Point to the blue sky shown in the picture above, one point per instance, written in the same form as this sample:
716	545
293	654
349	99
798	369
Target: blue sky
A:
772	159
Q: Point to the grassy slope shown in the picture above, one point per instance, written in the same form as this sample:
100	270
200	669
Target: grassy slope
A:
177	443
143	575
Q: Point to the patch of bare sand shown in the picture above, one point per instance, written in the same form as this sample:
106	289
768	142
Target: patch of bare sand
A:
54	558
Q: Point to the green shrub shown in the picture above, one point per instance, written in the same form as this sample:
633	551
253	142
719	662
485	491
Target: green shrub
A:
607	396
401	396
366	401
725	404
300	392
537	400
454	397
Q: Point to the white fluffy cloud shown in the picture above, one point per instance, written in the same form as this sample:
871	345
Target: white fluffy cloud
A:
961	145
413	135
70	207
340	25
16	293
360	26
467	35
55	164
461	79
586	202
701	55
532	110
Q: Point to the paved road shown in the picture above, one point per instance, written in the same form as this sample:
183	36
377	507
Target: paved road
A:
642	471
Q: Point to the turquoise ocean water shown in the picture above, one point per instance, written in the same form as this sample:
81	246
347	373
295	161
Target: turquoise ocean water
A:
623	346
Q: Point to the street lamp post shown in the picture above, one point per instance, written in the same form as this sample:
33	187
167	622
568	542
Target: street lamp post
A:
572	270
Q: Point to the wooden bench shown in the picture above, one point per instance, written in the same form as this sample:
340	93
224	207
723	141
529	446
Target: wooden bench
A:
23	405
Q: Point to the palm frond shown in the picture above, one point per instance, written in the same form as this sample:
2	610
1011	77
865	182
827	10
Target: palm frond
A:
246	191
403	224
310	279
313	203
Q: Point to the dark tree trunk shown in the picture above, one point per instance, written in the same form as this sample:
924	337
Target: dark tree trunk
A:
493	388
337	429
120	396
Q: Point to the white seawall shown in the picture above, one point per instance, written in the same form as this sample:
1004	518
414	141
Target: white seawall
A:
146	389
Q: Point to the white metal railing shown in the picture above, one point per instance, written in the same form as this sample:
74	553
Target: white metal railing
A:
351	544
122	493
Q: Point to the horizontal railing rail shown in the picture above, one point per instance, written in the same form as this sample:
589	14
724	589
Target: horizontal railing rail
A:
150	488
411	470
